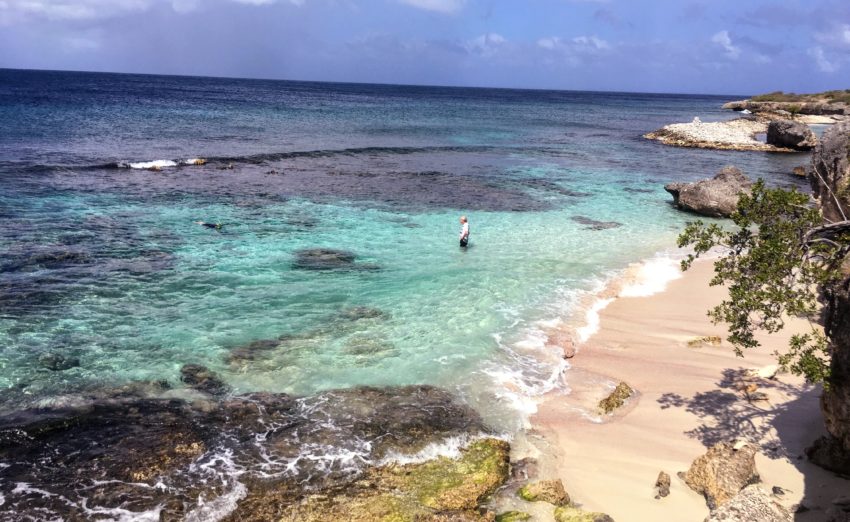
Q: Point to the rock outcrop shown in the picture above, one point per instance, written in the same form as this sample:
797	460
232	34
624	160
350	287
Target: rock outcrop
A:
170	459
574	514
791	134
722	472
829	176
202	379
551	491
716	197
737	134
752	503
616	398
813	108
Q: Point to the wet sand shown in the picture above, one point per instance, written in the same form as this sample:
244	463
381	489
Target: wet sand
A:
687	400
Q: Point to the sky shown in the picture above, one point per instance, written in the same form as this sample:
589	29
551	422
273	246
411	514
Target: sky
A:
686	46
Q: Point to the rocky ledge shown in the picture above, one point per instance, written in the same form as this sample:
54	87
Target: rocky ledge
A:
737	134
813	108
254	457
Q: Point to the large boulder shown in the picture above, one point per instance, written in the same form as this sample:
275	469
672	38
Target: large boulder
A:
722	472
790	134
752	503
551	491
829	176
716	197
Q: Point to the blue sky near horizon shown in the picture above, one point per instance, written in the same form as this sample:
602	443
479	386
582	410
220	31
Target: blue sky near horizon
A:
689	46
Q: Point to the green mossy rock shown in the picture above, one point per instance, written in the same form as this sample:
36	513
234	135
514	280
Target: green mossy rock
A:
440	489
551	491
513	516
617	398
446	484
574	514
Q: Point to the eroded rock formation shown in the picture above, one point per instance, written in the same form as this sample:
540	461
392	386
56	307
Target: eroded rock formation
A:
829	175
716	197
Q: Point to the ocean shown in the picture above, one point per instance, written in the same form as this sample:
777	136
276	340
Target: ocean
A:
337	264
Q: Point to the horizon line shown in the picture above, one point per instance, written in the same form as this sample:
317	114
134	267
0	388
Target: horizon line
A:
340	82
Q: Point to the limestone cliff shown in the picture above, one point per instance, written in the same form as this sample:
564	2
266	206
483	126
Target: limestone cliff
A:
829	175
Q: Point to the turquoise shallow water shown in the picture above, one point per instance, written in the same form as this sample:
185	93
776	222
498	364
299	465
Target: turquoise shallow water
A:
106	263
104	267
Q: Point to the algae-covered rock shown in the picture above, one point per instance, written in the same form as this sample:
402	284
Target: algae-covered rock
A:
713	340
513	516
551	491
440	489
574	514
616	399
446	484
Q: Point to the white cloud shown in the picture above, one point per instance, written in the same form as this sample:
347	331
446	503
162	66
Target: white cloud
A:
12	11
486	44
723	39
69	9
440	6
185	6
838	36
824	64
591	42
577	44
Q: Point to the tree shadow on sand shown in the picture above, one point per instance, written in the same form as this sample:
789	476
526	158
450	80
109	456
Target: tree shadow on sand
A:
740	409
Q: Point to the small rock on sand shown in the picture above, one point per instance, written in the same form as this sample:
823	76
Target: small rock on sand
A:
616	399
662	485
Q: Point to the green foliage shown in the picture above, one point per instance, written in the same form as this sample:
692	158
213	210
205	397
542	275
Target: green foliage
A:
779	96
794	109
773	268
837	96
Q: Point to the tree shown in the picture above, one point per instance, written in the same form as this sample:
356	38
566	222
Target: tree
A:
778	260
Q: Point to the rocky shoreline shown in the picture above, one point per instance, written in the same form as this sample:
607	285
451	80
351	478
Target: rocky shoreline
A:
762	117
739	134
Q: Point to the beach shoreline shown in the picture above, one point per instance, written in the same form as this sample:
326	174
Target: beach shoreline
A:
687	399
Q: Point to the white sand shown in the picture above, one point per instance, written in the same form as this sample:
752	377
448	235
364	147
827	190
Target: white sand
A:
685	403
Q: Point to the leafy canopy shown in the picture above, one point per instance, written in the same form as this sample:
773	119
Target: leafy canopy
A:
774	261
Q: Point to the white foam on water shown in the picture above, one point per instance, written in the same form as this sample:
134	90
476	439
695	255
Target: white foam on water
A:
532	370
152	164
194	161
592	319
219	507
450	447
122	515
652	277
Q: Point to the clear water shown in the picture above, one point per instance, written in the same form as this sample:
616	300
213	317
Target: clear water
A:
381	171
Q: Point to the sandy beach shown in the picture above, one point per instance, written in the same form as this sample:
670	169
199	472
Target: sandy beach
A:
687	400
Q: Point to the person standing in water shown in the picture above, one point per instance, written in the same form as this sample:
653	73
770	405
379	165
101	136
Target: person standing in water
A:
464	232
